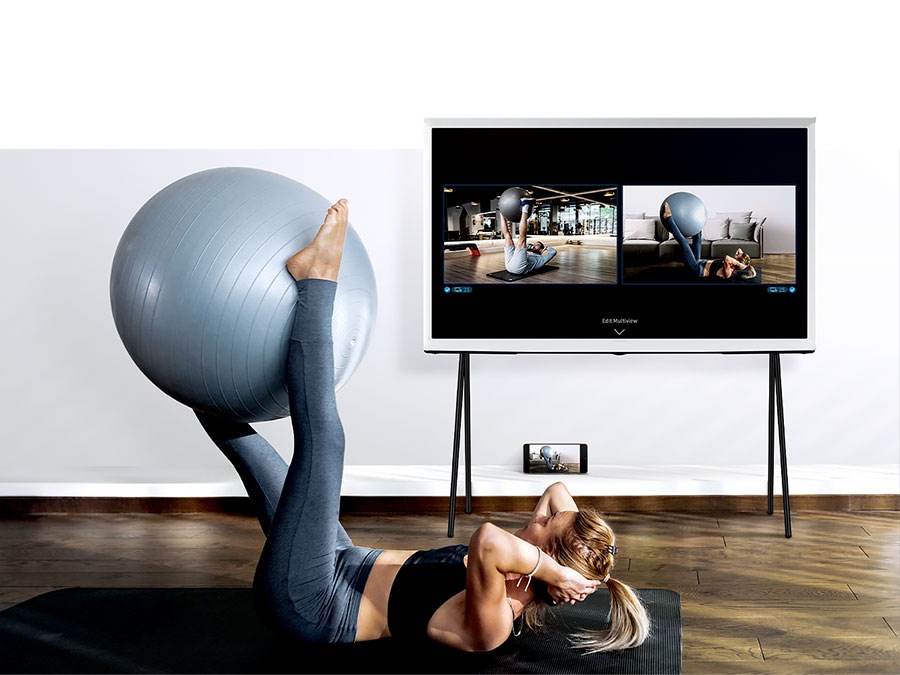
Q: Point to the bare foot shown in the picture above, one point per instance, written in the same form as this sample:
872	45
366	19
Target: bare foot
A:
667	213
321	259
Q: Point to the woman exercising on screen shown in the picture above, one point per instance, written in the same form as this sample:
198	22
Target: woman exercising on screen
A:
312	583
738	265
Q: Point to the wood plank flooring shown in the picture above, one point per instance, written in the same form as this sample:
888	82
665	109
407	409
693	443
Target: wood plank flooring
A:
576	265
589	264
826	600
775	268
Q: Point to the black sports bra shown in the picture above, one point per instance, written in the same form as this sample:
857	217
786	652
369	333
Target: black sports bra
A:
425	582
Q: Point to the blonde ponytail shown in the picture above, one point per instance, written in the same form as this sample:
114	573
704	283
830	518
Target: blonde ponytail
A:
629	623
589	548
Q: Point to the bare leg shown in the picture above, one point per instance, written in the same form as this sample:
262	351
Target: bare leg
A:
322	258
504	229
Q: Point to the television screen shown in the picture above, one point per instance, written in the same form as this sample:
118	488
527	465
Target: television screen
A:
619	236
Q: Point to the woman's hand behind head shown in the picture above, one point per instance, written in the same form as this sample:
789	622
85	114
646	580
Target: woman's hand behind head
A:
572	587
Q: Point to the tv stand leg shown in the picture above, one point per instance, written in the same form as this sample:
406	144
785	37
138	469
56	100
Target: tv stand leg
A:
776	409
463	413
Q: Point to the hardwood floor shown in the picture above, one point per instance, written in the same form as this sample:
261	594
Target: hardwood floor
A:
826	600
589	264
775	268
575	265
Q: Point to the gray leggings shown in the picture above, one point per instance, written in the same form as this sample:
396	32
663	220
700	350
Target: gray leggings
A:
520	261
690	253
310	576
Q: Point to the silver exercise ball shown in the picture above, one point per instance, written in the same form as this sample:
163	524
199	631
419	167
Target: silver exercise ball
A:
202	300
510	203
688	212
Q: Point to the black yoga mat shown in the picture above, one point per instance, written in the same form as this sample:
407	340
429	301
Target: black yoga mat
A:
509	276
217	631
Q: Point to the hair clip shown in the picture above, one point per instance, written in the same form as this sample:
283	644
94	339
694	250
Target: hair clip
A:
611	549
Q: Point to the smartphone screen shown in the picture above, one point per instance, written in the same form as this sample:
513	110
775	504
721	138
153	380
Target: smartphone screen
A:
554	458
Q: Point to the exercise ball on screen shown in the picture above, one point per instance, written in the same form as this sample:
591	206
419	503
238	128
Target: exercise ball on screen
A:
202	300
688	212
510	203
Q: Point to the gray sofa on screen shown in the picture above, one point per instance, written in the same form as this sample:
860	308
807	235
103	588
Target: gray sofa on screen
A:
645	240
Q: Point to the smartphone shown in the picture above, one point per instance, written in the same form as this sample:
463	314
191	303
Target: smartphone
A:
553	458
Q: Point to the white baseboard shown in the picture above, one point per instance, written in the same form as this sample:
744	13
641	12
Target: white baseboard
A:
501	481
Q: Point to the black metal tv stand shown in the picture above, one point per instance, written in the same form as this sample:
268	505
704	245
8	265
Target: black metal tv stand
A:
776	408
463	427
463	412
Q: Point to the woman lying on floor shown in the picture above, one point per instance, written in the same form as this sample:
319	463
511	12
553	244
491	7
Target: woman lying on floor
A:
312	583
736	267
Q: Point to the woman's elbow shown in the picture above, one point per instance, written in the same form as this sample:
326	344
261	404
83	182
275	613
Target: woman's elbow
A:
485	541
559	488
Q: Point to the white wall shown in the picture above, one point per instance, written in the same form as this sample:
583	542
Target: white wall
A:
354	83
775	203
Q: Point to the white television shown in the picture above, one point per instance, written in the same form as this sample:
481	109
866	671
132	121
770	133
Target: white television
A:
619	281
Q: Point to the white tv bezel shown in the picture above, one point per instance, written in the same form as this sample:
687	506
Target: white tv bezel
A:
632	345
